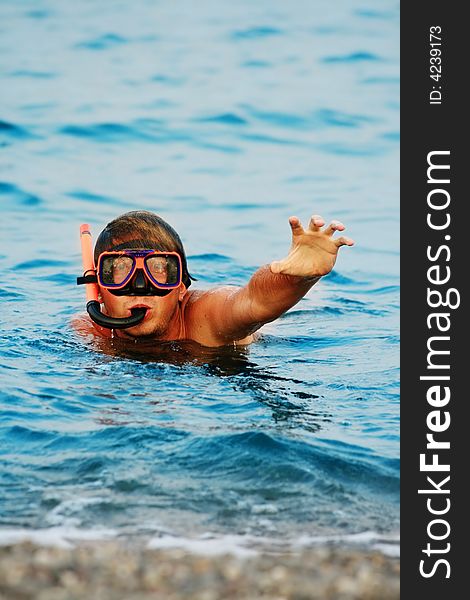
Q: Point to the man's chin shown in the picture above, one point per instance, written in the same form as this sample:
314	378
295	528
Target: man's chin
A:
147	329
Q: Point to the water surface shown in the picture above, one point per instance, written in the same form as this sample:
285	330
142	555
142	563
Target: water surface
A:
225	121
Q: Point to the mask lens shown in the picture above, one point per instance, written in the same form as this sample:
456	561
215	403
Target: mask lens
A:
115	269
163	270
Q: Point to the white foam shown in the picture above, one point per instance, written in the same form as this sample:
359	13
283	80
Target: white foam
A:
59	537
65	514
392	550
246	545
264	509
206	544
388	544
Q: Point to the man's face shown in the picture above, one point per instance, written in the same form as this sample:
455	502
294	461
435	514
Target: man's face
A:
150	270
161	318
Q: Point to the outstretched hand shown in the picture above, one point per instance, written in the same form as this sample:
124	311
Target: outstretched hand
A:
313	251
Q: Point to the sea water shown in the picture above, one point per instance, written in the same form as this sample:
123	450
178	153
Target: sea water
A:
224	118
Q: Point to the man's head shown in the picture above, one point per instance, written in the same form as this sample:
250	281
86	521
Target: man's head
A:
143	230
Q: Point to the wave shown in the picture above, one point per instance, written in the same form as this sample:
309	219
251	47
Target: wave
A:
212	256
95	198
108	132
39	263
208	543
256	458
353	57
224	119
249	545
254	33
59	537
143	130
12	130
19	196
33	74
318	119
103	42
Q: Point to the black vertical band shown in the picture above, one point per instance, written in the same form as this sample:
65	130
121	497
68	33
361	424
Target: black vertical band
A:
434	326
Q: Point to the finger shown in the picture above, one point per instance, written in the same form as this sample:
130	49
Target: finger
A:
334	226
343	241
316	222
296	226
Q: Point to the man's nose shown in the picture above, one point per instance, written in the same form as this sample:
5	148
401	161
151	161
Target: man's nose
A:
140	282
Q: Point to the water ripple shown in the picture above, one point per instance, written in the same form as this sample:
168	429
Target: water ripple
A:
95	198
103	42
18	196
14	131
318	119
33	74
254	33
353	57
225	119
39	263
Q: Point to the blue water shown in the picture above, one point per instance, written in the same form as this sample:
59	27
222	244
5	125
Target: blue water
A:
225	120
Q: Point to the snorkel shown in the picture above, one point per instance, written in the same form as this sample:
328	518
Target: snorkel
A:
93	306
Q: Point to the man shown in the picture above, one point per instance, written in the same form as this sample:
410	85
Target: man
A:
141	264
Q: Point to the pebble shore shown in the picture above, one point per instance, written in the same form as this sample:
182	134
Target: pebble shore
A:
114	571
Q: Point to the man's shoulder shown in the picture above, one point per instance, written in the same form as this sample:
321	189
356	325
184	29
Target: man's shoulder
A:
221	291
208	302
204	312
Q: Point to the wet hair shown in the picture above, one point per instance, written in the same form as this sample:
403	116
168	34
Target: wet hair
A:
142	229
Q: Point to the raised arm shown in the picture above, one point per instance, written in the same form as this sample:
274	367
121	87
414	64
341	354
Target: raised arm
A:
227	314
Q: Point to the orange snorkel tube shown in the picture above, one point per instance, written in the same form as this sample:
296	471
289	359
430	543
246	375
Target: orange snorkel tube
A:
93	306
91	289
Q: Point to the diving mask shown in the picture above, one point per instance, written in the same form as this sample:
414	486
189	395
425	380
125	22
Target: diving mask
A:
139	272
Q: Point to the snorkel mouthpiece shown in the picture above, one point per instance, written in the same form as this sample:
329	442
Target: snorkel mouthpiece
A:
93	306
